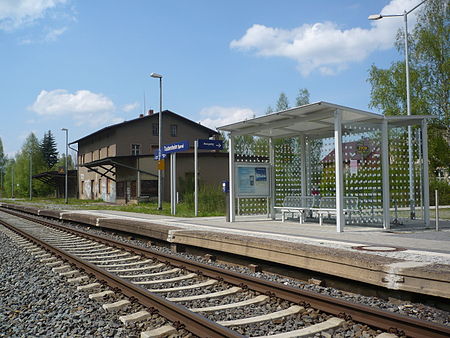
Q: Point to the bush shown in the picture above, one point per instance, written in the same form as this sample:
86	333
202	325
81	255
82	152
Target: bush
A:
211	200
443	188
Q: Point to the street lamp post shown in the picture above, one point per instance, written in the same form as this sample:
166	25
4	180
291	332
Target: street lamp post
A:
408	104
66	195
160	173
31	178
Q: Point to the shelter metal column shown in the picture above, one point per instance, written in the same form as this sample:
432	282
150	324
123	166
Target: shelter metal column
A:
385	174
426	184
340	220
303	165
231	178
272	177
308	164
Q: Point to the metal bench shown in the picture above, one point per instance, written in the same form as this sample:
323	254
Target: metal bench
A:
297	205
327	206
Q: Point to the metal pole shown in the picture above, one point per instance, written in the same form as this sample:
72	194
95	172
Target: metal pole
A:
196	177
231	177
272	178
12	181
385	174
425	180
31	167
340	219
408	109
66	193
160	174
436	198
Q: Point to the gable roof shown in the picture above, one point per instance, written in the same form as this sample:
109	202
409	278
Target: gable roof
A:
165	112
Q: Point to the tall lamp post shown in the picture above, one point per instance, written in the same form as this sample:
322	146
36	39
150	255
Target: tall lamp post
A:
66	195
408	104
160	173
31	175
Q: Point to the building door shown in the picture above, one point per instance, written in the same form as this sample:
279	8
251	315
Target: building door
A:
92	189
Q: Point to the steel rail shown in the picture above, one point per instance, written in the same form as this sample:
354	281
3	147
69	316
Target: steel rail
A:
186	319
384	320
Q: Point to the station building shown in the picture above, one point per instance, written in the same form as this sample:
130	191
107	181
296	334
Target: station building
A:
116	164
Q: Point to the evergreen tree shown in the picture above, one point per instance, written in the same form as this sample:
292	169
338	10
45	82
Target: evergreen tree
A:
282	103
302	97
269	110
48	149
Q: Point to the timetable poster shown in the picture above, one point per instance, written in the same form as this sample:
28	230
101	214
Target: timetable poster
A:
252	181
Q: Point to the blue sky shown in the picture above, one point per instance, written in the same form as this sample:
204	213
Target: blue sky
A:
83	65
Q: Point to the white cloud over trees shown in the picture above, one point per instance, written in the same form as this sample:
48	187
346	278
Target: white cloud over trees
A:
82	106
216	116
324	46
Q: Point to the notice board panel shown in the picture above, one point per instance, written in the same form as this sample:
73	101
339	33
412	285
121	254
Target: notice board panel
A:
252	180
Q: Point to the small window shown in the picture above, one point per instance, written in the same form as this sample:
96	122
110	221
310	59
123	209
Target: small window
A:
173	130
155	129
135	149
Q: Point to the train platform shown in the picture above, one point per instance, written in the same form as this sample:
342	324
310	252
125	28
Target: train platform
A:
405	258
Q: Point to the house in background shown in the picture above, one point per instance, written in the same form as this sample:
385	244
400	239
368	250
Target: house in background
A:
116	163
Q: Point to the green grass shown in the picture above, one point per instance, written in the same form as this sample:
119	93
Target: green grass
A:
444	213
183	209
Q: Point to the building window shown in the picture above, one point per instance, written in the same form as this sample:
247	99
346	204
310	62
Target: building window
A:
135	149
99	186
173	130
155	129
107	185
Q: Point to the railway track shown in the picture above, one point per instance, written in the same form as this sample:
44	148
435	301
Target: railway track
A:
201	299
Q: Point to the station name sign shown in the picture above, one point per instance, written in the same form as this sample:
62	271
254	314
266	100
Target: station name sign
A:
175	147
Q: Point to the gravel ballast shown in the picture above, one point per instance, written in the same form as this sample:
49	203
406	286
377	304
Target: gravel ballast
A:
35	301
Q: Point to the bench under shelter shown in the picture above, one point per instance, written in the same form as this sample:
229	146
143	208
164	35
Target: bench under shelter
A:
327	161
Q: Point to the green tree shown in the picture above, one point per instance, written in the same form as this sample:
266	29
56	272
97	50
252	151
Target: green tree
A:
3	162
18	170
282	103
429	78
302	97
48	149
62	162
269	110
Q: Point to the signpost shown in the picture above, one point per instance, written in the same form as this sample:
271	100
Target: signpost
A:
160	155
210	144
206	145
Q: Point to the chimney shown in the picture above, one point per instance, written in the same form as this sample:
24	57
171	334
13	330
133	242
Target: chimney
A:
141	115
150	112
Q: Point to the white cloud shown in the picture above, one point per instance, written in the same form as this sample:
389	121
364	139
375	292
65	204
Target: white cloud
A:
216	116
324	46
17	13
83	106
129	107
54	34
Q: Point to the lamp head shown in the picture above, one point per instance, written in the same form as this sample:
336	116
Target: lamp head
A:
375	17
156	75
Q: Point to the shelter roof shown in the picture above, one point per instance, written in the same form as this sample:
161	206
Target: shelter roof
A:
315	119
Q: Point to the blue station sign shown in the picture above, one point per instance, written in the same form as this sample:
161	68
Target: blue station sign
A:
210	144
156	155
175	147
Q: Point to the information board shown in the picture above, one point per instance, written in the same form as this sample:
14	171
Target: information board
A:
252	180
